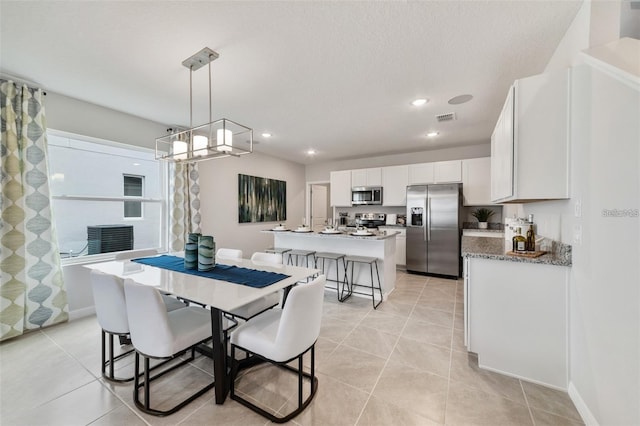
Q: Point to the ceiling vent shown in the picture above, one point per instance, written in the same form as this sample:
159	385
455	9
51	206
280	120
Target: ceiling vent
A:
450	116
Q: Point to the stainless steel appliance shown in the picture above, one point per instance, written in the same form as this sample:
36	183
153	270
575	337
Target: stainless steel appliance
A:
365	195
370	220
343	218
433	229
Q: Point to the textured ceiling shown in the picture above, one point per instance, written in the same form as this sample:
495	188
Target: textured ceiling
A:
337	77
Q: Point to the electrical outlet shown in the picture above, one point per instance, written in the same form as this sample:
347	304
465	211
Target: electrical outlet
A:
577	234
578	208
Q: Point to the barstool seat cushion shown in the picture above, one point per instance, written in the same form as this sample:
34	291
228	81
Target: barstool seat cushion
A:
328	255
301	252
361	259
280	250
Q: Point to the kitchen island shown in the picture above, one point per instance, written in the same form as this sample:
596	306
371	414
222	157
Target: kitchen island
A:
381	245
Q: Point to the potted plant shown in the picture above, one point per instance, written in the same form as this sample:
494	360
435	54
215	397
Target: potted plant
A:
482	214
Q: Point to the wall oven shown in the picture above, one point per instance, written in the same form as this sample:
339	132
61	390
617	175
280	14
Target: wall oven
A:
365	195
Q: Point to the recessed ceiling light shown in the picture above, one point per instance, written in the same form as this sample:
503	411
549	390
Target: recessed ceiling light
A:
419	102
136	164
311	152
460	99
432	134
266	135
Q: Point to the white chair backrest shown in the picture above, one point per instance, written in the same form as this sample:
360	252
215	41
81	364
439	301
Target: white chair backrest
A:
110	303
226	253
300	321
148	320
273	258
134	254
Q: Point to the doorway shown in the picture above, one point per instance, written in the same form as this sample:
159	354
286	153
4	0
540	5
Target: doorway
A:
319	210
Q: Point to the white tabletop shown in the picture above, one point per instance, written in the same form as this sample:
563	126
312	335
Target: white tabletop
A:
219	294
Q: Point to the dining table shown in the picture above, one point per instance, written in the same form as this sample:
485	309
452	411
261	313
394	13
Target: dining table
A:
218	295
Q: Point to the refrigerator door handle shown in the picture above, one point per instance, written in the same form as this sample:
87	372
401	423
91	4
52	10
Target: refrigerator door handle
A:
428	224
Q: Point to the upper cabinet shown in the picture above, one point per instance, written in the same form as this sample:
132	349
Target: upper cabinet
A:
447	171
366	177
394	183
438	172
530	143
340	188
420	173
476	181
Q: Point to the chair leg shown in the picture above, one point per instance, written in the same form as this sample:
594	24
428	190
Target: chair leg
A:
375	305
110	362
146	406
302	403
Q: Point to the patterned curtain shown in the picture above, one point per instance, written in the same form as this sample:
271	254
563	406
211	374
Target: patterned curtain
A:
185	203
32	292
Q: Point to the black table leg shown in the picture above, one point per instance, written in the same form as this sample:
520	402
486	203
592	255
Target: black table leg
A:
219	356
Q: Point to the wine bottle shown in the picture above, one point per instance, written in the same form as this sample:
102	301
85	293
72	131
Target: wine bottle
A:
531	239
519	242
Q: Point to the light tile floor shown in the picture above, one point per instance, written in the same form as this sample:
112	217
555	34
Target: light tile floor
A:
403	364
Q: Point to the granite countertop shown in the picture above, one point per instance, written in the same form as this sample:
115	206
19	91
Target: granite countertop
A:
501	231
493	248
377	235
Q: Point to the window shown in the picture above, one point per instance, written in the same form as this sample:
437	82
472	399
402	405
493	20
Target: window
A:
133	188
106	196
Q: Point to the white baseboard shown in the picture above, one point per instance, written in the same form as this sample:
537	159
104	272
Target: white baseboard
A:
587	417
80	313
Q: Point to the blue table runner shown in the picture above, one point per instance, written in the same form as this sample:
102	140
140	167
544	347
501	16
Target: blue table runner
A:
230	273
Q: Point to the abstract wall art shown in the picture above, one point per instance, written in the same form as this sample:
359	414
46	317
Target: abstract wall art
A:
261	199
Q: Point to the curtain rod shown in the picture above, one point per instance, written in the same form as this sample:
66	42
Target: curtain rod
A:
20	80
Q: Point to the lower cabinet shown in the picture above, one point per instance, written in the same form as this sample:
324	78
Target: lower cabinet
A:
401	243
516	318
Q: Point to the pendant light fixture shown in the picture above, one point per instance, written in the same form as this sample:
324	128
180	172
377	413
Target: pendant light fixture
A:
216	139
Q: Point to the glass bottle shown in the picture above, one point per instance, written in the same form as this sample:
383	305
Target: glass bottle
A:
519	242
531	239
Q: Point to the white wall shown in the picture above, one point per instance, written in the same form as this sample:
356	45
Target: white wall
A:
219	199
320	172
604	308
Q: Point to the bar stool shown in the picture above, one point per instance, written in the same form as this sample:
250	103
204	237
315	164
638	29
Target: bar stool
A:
352	260
331	256
299	253
278	250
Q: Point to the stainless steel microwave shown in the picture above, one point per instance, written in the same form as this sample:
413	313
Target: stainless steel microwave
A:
364	195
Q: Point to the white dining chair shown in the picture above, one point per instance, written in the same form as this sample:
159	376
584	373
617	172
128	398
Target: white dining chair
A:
267	302
111	312
228	254
156	333
281	335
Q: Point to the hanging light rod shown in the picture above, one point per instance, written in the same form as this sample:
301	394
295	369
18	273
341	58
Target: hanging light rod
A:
207	141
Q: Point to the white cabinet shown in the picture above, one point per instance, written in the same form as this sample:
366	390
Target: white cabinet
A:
366	177
401	243
516	318
447	171
476	181
530	143
437	172
420	173
340	188
394	185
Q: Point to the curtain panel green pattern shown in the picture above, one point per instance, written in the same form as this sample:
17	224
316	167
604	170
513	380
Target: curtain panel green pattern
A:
32	292
185	203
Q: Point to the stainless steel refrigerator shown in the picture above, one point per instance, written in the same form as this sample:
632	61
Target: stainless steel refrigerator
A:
433	229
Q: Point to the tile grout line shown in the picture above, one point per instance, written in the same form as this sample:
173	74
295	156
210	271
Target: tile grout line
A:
388	357
526	400
97	379
453	323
